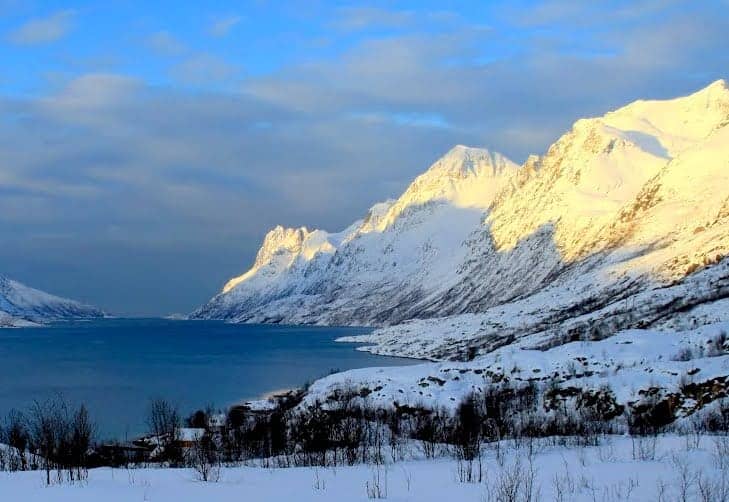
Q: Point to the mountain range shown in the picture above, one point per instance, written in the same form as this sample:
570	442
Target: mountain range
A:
21	305
622	223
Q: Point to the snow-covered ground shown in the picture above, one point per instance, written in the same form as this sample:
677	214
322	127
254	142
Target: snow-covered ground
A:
628	363
620	469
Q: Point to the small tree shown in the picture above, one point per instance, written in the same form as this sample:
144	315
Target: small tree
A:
163	420
205	458
44	427
15	434
467	438
82	430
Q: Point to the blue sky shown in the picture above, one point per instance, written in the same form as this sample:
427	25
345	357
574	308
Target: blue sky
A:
146	147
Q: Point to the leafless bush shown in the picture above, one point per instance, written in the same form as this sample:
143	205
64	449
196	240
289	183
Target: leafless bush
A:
467	439
692	429
61	439
715	419
685	477
606	451
644	447
661	491
563	484
721	452
205	458
163	420
514	482
717	345
408	478
713	489
684	354
376	486
15	434
319	484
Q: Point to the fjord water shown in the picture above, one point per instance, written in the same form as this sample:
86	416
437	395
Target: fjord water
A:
115	366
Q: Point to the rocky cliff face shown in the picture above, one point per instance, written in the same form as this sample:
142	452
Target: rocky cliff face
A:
623	221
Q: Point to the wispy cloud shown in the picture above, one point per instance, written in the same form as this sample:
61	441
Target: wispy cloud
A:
362	18
221	27
44	30
204	68
164	43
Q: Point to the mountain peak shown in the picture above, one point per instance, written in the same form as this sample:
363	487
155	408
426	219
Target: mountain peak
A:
463	177
673	125
714	96
718	86
463	160
281	238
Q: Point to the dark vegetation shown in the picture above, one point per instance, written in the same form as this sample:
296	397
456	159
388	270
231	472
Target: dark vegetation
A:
61	441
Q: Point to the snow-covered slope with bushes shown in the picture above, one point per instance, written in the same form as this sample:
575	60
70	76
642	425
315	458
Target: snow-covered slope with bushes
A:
21	306
690	367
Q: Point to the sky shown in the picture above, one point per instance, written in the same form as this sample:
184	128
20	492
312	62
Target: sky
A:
147	147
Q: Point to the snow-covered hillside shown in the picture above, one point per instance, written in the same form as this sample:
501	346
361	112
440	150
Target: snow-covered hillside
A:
608	230
21	305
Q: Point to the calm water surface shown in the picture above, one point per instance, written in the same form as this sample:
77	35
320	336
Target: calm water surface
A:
115	366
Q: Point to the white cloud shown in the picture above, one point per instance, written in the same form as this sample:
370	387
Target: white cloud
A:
163	42
203	68
362	18
44	30
223	26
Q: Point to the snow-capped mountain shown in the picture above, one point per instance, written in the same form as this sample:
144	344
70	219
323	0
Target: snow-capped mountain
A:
21	305
399	252
623	223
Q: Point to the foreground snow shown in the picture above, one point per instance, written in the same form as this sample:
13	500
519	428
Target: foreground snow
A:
619	469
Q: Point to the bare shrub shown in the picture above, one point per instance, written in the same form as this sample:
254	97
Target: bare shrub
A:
15	434
716	419
563	484
644	447
163	420
514	482
319	484
376	486
205	458
721	452
467	439
82	432
717	345
61	439
685	478
684	354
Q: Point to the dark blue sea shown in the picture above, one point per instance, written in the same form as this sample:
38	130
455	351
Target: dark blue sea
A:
116	366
